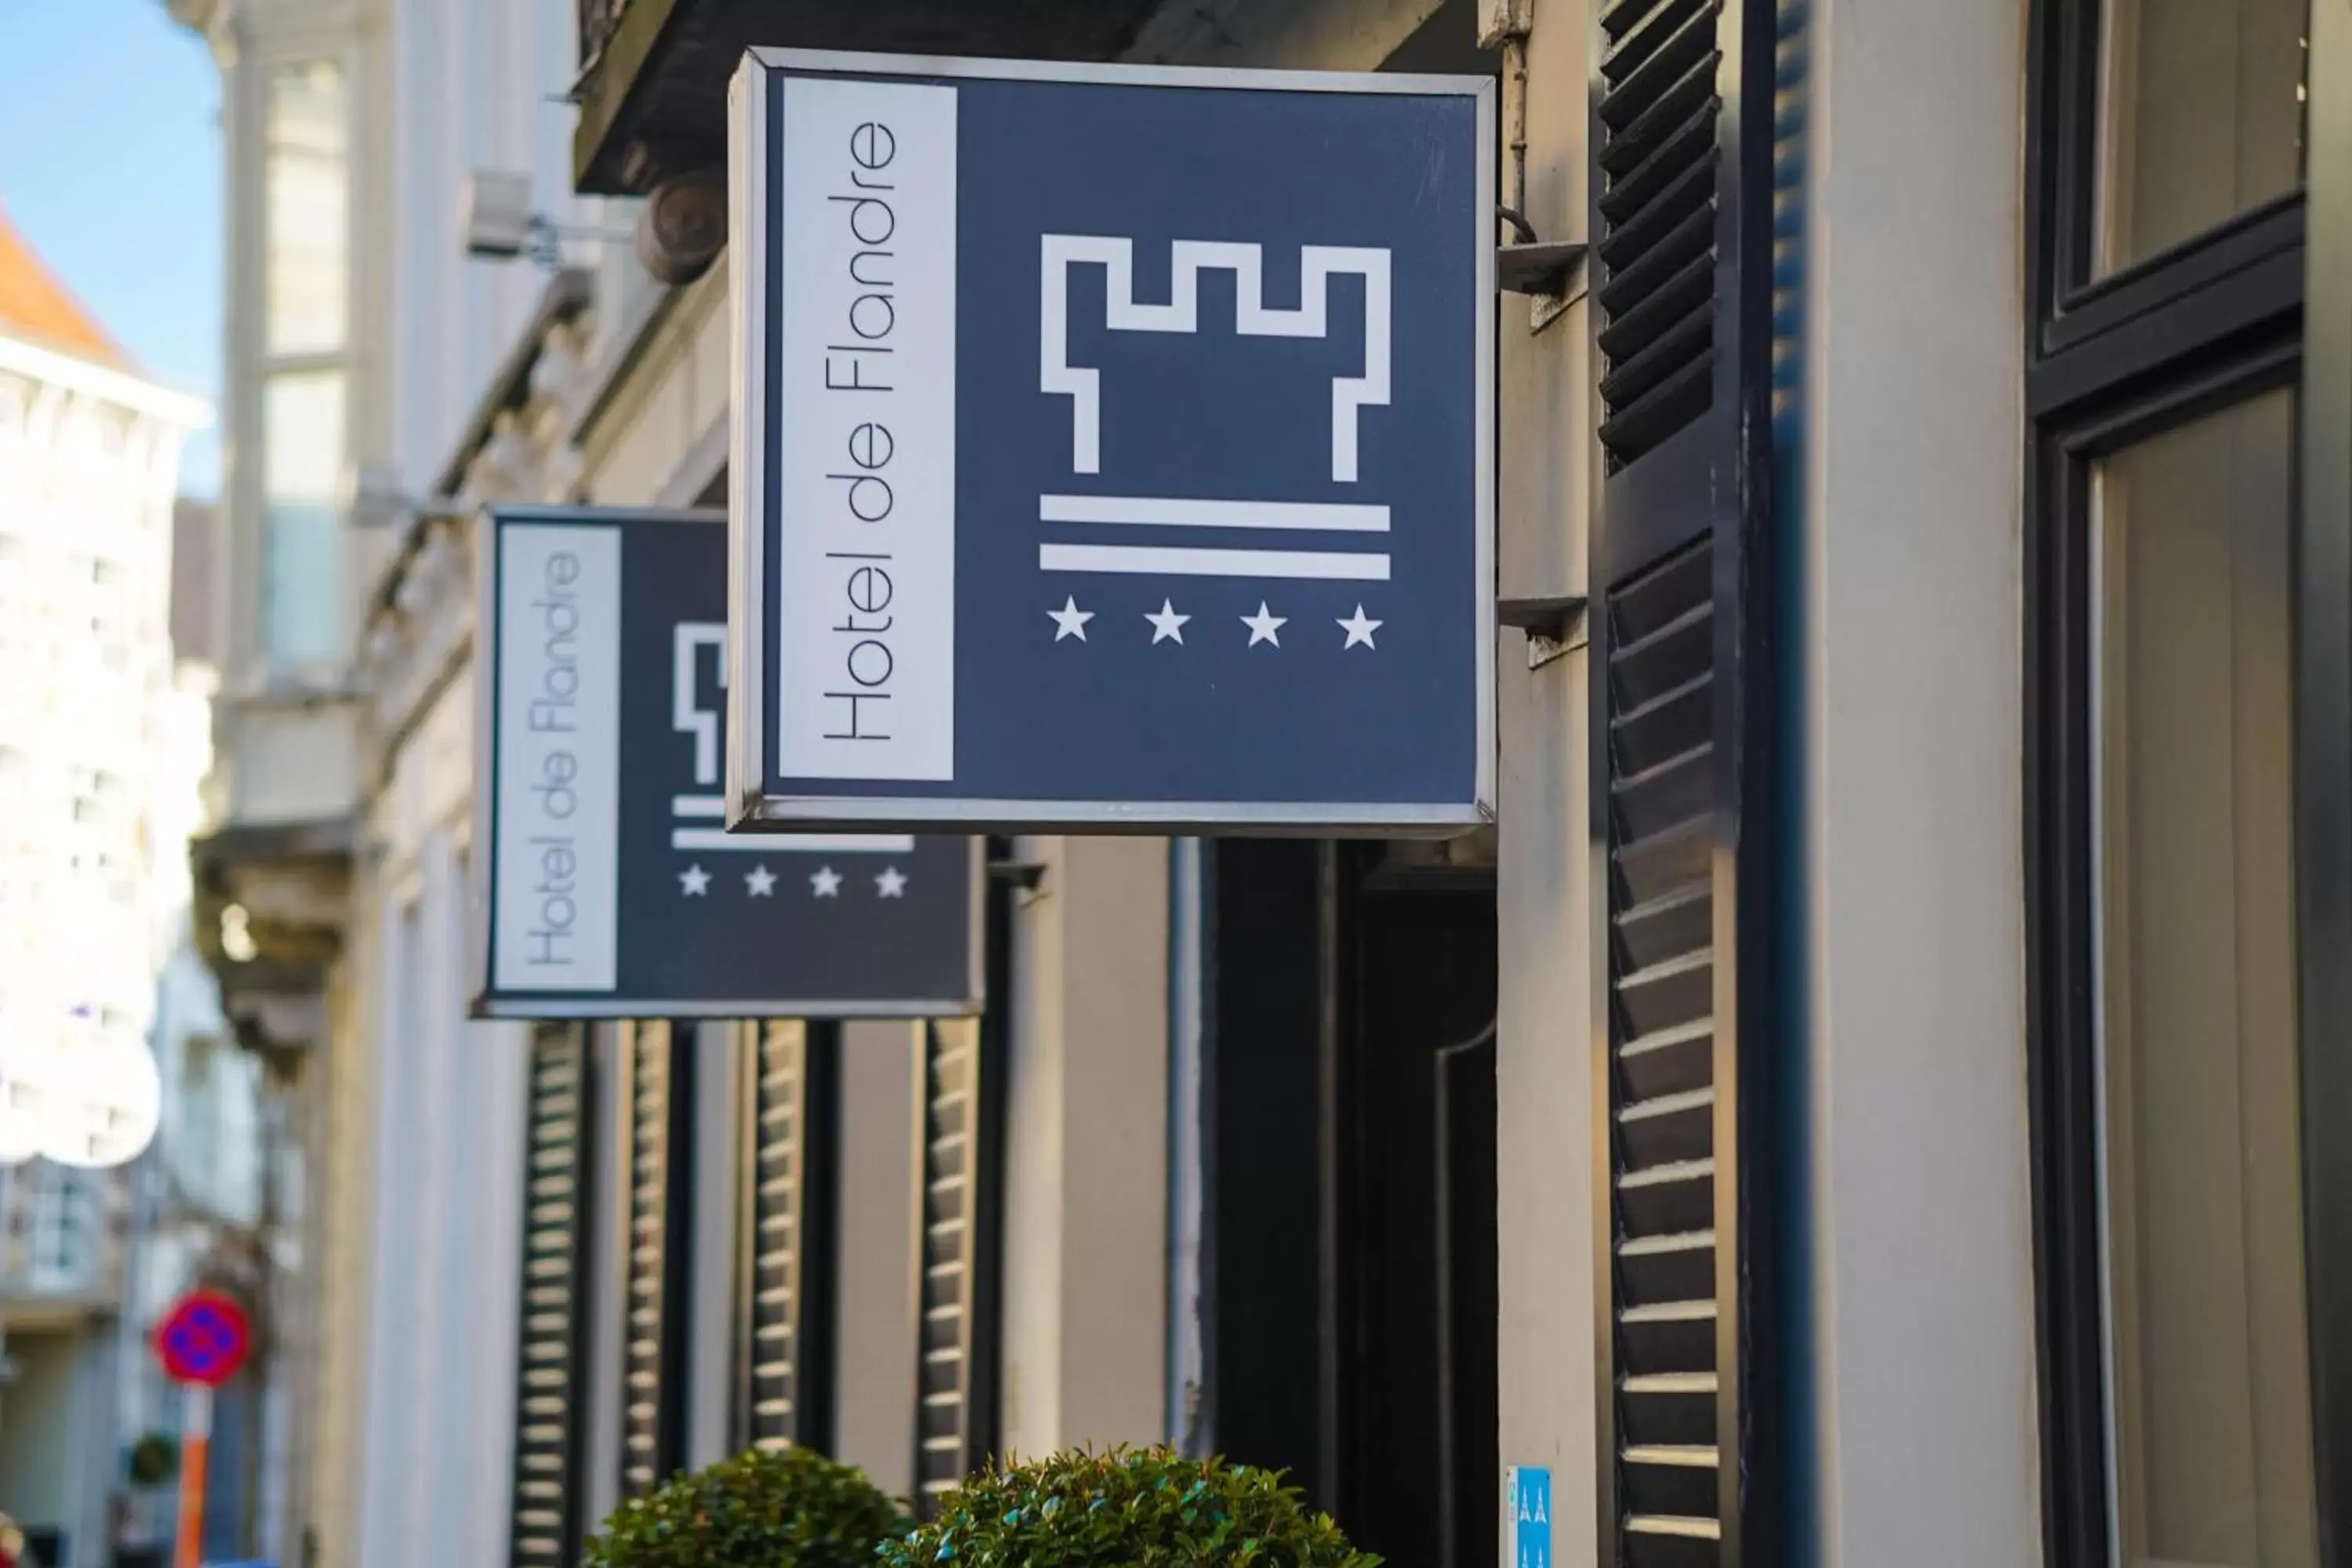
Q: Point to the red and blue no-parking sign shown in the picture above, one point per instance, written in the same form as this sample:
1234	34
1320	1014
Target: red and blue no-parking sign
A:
203	1339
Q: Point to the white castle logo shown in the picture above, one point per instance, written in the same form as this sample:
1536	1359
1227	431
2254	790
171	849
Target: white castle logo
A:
1350	394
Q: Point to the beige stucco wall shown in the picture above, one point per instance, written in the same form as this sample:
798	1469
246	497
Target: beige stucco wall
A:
1544	892
1085	1286
875	1367
671	393
1921	1344
332	1383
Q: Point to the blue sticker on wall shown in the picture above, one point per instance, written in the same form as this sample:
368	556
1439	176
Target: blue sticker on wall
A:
1528	1497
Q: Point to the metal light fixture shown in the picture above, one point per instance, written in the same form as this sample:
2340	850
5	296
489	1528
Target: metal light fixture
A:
495	209
371	497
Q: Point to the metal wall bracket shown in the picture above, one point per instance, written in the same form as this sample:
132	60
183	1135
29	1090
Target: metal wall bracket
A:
1554	624
1026	878
1551	274
1539	268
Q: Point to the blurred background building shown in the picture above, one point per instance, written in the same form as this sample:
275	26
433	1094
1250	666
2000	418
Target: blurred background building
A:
99	754
1770	1197
368	361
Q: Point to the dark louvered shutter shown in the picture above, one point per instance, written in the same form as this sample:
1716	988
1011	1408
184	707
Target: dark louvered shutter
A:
545	1530
656	1115
787	1210
946	1445
1682	133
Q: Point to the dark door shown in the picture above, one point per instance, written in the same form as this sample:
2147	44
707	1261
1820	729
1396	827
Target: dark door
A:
1349	1250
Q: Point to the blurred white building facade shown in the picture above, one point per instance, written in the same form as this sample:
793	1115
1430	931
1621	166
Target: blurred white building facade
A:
217	1201
92	855
330	892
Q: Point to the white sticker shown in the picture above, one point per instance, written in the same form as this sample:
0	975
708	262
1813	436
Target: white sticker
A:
558	758
864	473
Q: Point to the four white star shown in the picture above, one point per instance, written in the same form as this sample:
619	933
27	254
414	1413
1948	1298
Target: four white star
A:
694	882
1167	623
1264	625
1069	621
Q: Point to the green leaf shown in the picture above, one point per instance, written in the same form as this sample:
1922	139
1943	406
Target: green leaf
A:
1126	1508
790	1510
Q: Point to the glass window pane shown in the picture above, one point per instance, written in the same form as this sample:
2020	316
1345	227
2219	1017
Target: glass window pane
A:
2208	1367
301	565
2203	116
306	191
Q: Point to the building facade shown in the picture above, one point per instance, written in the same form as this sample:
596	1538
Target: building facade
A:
361	336
1863	1101
217	1202
90	456
1905	1054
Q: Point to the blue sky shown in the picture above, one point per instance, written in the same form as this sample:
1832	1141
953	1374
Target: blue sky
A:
111	166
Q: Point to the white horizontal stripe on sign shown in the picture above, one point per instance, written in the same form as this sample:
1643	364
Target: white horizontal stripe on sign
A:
1170	511
1328	565
793	843
710	806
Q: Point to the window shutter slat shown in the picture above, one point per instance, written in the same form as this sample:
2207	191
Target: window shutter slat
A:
543	1523
786	1310
657	1124
946	1446
1658	138
1681	204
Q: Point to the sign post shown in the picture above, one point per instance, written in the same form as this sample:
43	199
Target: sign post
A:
202	1341
607	884
1113	449
195	1445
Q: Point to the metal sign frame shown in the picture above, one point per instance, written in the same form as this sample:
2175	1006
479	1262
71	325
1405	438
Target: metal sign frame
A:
749	804
481	874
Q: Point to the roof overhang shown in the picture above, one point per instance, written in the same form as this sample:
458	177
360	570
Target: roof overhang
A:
653	81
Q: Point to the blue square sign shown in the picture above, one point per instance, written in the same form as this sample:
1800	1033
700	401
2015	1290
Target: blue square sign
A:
606	884
1113	448
1528	1502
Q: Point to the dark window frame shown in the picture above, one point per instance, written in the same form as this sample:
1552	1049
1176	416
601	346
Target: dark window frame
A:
2069	305
2203	326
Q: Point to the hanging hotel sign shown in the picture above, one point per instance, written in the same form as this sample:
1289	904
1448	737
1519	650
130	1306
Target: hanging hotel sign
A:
1113	448
607	882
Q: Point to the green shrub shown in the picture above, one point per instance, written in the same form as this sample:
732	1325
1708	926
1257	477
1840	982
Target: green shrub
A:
795	1509
154	1459
1146	1507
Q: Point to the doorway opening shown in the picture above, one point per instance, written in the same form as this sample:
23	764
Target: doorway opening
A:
1347	1273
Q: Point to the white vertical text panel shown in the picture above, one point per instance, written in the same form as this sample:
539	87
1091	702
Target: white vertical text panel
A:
559	763
865	472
